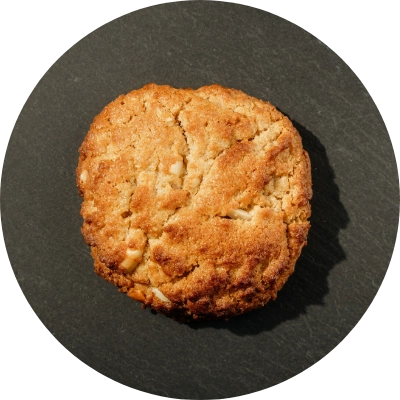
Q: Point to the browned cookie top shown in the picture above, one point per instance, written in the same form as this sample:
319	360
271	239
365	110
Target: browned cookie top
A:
195	201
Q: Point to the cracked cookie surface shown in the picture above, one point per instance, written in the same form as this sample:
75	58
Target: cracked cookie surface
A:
195	202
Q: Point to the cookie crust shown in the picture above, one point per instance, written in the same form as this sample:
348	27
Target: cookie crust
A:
195	202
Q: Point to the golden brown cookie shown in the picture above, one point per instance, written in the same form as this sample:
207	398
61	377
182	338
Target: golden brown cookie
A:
195	202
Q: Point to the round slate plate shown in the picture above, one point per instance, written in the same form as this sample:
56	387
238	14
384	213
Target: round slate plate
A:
355	205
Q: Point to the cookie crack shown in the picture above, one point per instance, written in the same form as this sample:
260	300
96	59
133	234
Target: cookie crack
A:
129	212
184	156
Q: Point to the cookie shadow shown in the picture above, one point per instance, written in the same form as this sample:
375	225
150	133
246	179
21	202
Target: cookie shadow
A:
309	283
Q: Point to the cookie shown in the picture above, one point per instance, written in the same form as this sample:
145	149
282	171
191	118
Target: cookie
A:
195	202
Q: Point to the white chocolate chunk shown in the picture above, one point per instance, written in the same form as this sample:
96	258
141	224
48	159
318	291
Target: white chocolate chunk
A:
84	176
134	254
195	182
176	168
160	295
132	260
239	214
129	264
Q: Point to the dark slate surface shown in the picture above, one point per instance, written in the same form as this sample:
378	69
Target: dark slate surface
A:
355	205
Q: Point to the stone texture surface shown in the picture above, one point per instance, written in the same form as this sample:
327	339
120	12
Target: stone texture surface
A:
355	204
